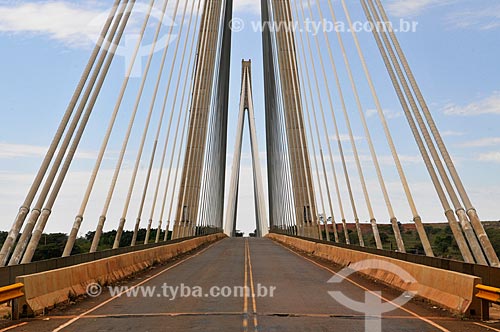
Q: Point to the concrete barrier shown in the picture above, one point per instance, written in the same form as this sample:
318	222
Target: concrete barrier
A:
449	290
46	289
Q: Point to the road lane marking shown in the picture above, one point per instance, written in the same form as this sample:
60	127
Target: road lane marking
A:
59	328
13	327
254	300
441	328
245	300
487	327
153	314
346	316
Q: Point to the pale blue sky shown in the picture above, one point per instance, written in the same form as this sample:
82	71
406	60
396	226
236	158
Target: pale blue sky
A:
454	54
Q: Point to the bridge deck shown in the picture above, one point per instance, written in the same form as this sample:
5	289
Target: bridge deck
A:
300	301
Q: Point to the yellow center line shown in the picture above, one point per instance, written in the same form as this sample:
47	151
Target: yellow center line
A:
254	301
245	297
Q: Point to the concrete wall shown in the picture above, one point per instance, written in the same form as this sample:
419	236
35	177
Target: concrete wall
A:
8	274
46	289
488	274
447	289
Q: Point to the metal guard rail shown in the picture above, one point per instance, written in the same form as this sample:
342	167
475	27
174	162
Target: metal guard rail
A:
487	295
11	292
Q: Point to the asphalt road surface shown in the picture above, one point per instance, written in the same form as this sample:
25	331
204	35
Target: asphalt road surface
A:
244	285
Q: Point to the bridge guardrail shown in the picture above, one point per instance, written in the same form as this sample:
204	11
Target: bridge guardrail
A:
488	295
488	274
11	292
8	274
45	290
428	283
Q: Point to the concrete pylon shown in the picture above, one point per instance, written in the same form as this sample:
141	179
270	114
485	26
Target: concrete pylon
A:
190	186
246	107
304	200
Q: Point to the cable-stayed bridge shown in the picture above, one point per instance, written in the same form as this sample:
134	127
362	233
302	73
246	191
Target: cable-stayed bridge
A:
178	186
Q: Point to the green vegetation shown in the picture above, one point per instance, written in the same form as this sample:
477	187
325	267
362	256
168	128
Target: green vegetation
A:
493	230
52	245
440	235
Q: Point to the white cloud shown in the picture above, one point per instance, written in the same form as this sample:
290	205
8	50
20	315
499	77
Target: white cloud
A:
405	159
484	18
246	157
483	142
389	114
488	105
413	7
14	186
452	133
251	6
10	151
77	25
490	157
366	159
346	138
62	21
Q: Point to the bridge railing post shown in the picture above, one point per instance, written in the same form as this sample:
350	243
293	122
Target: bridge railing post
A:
485	310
